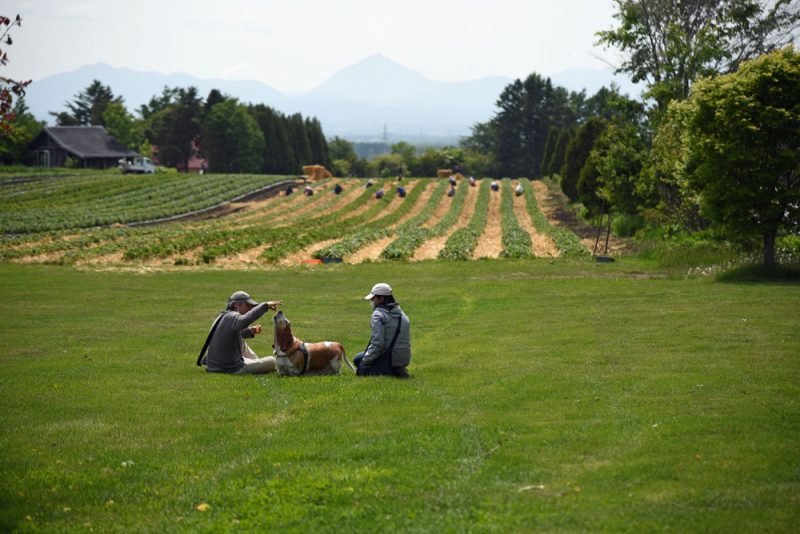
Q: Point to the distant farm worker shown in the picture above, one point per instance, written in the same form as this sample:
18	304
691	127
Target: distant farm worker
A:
451	192
308	191
227	350
369	183
389	348
337	189
494	185
379	194
519	190
401	192
289	190
452	180
472	181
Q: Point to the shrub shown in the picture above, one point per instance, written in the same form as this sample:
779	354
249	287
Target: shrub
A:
626	225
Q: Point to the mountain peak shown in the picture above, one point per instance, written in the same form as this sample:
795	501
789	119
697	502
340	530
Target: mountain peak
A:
374	77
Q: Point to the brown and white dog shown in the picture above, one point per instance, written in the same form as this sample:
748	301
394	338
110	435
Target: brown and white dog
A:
295	357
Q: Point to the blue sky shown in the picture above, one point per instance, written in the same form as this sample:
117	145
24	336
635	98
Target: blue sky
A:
296	45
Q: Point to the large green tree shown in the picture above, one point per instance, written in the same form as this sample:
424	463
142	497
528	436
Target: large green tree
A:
559	152
745	147
516	136
276	150
317	142
577	152
665	175
175	127
123	126
670	43
610	178
527	110
299	141
233	140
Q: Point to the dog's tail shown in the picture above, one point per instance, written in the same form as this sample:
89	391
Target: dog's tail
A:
344	357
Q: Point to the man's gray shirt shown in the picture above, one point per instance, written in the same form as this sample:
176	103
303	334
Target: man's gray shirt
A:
383	324
225	348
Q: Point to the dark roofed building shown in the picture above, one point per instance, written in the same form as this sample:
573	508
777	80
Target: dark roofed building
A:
91	146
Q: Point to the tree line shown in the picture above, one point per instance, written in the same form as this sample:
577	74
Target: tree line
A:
180	124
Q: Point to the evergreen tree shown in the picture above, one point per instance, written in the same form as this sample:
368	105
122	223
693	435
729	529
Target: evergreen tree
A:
285	159
317	142
298	138
509	129
234	141
577	153
175	127
549	149
557	161
88	106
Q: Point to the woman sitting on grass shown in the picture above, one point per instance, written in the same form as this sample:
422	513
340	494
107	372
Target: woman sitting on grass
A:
389	350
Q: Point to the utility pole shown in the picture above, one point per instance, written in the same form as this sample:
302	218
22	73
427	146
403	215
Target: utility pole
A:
385	134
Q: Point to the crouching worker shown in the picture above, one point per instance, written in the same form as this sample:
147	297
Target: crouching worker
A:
227	350
389	349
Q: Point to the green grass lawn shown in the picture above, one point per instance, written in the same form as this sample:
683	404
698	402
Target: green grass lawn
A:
546	396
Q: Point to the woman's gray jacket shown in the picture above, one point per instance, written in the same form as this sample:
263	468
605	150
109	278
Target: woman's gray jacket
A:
384	324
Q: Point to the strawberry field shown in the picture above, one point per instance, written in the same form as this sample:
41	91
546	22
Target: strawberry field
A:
96	218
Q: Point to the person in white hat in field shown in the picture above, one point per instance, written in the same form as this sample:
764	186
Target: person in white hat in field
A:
227	350
389	349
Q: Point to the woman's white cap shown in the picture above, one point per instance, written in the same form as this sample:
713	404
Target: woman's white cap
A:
381	290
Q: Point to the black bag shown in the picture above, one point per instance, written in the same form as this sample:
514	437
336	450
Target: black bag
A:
382	365
201	359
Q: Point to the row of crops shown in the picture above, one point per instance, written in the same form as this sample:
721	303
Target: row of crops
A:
82	201
271	231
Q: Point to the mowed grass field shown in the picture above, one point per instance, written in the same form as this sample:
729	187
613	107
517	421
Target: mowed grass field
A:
547	395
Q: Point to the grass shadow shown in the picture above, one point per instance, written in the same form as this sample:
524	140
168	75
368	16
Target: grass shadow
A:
759	273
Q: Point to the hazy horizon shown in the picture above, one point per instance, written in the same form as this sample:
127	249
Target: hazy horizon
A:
296	47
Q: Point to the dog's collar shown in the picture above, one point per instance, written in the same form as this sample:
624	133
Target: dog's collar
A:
293	348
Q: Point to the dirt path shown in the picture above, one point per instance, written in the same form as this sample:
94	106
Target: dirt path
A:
439	212
308	252
296	204
430	249
342	201
394	203
543	246
371	252
422	201
553	204
490	243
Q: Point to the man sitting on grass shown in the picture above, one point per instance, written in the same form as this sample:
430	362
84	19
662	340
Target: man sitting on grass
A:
227	350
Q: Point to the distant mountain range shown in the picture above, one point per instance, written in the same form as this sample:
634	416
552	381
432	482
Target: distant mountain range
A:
374	99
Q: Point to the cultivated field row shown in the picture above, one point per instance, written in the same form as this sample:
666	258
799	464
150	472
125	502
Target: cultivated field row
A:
352	226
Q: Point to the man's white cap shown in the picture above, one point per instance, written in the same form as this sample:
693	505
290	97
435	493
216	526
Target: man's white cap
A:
380	290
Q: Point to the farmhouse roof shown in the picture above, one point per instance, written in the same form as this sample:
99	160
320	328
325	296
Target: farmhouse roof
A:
87	142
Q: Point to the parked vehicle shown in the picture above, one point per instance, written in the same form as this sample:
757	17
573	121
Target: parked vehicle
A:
137	165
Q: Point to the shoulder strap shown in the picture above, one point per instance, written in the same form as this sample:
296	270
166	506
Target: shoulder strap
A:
208	339
396	333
